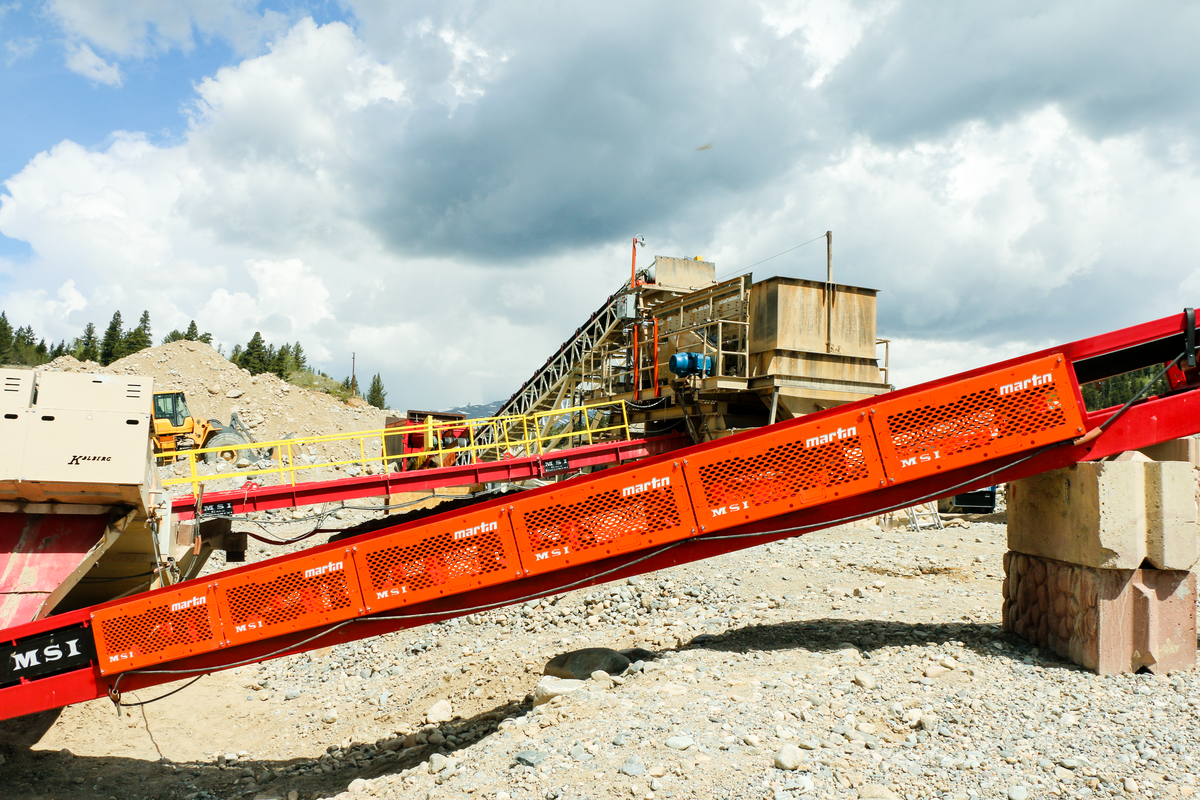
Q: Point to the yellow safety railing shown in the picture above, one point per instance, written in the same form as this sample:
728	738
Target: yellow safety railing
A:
484	439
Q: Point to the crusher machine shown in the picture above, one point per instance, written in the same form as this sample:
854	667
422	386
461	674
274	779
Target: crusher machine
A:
997	423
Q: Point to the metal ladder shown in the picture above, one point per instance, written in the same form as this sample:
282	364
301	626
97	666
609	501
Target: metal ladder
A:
924	516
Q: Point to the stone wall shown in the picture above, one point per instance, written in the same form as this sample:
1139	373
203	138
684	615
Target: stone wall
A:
1107	620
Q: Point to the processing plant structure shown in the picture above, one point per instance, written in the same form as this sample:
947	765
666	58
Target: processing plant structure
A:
688	417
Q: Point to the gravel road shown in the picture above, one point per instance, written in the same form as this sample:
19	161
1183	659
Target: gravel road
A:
849	663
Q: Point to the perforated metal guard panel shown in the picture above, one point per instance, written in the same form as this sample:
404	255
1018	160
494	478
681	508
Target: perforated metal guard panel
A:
598	518
783	469
444	558
976	419
292	596
156	629
763	475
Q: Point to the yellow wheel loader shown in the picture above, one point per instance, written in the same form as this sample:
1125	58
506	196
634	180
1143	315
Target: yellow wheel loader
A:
176	430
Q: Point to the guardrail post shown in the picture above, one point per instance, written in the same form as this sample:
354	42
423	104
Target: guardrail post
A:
192	467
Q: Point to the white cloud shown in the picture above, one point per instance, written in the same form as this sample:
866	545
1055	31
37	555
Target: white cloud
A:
915	361
139	28
991	232
288	303
450	193
830	28
82	60
39	310
24	47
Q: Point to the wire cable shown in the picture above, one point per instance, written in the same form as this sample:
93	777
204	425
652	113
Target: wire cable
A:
1129	403
116	579
777	255
1092	434
176	690
463	611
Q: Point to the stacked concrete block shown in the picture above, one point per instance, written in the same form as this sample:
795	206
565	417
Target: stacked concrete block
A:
1100	564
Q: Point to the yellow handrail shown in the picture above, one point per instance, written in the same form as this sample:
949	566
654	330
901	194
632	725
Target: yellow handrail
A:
538	433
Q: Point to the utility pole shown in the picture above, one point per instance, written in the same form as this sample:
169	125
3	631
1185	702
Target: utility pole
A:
353	380
829	291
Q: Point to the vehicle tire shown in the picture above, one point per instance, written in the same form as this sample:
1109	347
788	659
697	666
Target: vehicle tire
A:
225	438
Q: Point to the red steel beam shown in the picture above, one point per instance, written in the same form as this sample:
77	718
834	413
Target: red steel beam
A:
1158	419
263	498
1151	421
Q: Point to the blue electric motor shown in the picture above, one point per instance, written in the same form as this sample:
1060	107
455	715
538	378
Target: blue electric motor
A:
686	365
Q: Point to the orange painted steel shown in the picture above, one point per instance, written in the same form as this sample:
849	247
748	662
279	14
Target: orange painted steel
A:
977	419
753	477
432	560
162	627
783	469
587	520
290	595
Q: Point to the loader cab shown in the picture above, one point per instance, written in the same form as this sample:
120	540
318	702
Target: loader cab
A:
174	427
171	413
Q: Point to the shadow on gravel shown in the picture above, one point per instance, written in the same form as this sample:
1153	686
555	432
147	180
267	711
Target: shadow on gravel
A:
43	774
828	635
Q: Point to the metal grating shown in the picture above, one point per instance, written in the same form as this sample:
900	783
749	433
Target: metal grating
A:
748	478
784	468
419	564
979	418
630	511
294	596
156	629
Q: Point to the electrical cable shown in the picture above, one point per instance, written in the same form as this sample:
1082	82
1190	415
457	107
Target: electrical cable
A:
646	405
1092	434
777	255
119	578
176	690
115	689
450	612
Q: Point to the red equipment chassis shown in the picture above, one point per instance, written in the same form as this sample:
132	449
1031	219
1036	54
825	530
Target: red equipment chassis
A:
262	498
997	423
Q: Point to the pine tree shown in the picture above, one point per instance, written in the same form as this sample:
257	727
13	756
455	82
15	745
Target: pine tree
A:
298	357
89	345
283	364
235	357
1118	389
113	345
254	357
376	396
192	334
350	384
24	347
6	340
139	338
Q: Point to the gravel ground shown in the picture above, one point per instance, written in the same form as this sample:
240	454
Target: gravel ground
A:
849	663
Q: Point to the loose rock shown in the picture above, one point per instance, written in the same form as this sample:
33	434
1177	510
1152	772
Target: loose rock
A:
789	757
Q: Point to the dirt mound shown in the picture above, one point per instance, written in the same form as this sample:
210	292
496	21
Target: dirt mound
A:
271	408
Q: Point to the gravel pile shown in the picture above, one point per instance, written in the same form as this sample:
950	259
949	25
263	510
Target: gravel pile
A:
271	408
800	669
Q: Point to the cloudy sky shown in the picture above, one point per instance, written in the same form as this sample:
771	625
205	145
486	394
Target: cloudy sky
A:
448	189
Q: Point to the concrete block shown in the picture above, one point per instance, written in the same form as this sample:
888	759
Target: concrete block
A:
1107	620
1186	450
1111	515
